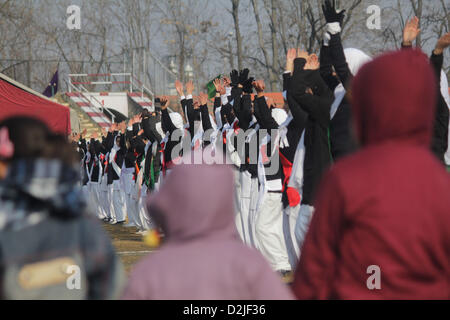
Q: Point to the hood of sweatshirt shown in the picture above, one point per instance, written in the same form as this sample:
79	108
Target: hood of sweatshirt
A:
394	99
196	201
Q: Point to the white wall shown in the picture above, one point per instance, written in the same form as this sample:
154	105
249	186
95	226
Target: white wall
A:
114	100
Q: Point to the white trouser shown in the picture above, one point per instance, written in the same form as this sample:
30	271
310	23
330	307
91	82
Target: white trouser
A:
130	198
302	224
104	197
269	232
237	203
116	204
290	215
145	220
254	192
246	188
94	199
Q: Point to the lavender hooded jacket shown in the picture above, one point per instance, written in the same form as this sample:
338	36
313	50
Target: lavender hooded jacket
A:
203	257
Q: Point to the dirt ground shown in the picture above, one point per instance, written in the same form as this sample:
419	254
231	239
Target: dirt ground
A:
129	245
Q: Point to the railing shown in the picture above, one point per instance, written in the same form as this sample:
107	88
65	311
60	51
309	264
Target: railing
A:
143	89
95	108
108	79
129	80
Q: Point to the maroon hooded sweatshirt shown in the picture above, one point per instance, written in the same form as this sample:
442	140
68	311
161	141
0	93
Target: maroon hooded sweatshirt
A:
203	257
387	205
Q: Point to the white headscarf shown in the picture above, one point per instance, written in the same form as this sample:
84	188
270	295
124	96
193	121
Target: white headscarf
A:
279	115
177	120
355	59
159	129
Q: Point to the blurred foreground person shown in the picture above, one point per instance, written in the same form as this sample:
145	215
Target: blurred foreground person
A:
382	225
203	257
50	247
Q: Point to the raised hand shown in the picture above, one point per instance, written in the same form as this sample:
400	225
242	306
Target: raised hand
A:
290	57
219	87
189	87
247	85
164	102
411	31
243	75
179	88
123	126
312	63
259	86
203	98
83	134
234	76
302	54
196	104
103	132
442	43
226	82
331	14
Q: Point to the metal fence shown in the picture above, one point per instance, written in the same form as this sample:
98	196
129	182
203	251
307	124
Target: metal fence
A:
145	67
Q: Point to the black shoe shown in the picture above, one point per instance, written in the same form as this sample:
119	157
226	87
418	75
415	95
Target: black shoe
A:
120	222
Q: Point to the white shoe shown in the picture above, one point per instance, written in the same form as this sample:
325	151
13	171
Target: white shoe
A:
113	222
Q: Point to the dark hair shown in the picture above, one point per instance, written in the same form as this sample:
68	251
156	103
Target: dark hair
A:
28	135
33	139
59	148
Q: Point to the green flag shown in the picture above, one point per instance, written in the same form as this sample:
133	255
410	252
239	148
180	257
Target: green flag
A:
210	88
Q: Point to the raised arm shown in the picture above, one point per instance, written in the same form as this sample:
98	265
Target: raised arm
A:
410	32
334	19
166	122
206	121
437	57
266	121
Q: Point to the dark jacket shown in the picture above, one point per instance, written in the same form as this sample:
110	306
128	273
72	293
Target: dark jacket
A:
387	205
317	106
45	229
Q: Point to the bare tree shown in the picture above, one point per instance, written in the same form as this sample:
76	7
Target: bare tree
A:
235	14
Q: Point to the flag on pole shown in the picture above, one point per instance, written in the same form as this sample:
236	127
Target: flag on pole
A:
52	87
210	88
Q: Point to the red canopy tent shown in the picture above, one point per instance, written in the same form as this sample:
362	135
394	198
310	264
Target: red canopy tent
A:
16	99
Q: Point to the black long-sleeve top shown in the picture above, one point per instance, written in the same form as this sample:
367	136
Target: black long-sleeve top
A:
168	126
206	124
342	139
317	106
93	165
120	156
439	143
439	140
